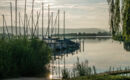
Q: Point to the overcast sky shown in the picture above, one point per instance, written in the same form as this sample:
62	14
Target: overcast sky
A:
79	13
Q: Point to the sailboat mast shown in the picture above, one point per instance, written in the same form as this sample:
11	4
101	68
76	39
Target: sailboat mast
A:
48	21
6	27
55	24
32	16
64	36
42	19
16	16
11	18
64	25
58	23
3	27
19	25
27	25
37	24
25	17
51	24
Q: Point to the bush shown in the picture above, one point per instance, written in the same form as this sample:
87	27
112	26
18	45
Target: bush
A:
23	57
65	74
82	69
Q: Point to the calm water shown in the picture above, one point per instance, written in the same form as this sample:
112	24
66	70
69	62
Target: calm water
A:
102	53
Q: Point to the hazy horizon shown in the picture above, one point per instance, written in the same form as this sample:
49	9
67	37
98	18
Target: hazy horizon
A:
79	13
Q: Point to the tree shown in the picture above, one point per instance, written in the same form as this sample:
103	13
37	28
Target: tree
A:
115	17
126	18
111	15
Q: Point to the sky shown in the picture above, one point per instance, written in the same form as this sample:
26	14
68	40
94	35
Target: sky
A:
79	13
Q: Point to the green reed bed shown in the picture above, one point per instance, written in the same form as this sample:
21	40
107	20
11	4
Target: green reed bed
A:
79	69
95	77
23	57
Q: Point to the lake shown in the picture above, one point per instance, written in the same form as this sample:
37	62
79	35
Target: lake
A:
102	53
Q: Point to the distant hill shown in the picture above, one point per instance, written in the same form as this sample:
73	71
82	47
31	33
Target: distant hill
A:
77	30
85	30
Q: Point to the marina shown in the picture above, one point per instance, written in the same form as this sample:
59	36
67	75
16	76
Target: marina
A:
64	39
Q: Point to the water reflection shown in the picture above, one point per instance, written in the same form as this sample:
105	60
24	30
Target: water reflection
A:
100	52
61	61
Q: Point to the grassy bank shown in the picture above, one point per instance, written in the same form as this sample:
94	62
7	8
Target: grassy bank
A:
107	77
82	71
23	57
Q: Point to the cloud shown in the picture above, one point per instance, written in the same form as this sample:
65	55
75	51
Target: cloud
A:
80	13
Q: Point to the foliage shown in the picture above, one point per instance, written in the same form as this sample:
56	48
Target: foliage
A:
82	69
126	19
112	16
65	74
23	57
118	37
115	17
101	77
79	69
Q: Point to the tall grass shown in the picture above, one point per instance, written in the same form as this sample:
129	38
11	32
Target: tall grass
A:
23	57
79	69
65	74
82	69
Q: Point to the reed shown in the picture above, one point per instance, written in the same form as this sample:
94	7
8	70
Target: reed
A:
65	74
23	57
79	69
